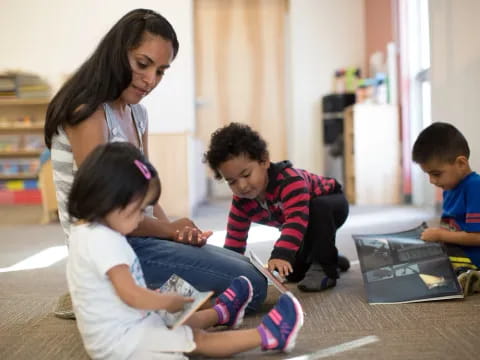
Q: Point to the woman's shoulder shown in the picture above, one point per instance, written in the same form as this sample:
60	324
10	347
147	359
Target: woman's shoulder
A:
94	122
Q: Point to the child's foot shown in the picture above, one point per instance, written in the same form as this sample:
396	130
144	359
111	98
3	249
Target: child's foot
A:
280	327
316	280
231	304
343	263
470	282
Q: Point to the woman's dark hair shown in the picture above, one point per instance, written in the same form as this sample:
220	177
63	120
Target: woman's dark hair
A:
107	72
440	141
110	178
231	141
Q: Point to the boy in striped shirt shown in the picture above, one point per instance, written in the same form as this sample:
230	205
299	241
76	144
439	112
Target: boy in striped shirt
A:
443	152
307	208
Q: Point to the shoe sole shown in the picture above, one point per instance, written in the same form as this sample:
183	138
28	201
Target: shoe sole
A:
68	315
290	342
470	283
239	318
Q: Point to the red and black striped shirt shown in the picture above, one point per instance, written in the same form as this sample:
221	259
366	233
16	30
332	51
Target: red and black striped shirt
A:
286	206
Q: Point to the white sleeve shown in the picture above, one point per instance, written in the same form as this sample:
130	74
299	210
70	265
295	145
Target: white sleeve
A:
109	249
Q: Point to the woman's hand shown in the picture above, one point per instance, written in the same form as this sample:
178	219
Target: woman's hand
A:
283	267
187	232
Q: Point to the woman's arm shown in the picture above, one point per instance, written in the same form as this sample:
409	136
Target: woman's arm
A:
87	135
93	131
182	230
142	298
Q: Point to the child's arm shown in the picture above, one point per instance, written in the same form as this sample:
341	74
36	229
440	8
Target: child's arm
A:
142	298
238	225
451	237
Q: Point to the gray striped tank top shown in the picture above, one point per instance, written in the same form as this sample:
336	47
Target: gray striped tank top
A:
64	166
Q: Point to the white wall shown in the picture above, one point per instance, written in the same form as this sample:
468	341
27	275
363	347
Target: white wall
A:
323	35
53	38
455	68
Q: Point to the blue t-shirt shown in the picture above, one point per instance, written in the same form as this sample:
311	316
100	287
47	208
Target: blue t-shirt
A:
461	211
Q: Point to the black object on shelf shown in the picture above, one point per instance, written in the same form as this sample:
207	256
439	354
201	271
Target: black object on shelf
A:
333	106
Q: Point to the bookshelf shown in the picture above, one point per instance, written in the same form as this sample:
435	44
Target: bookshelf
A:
21	143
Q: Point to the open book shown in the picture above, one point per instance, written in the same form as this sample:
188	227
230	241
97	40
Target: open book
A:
400	267
180	286
276	280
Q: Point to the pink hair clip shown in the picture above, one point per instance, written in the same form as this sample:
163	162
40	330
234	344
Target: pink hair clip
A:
143	168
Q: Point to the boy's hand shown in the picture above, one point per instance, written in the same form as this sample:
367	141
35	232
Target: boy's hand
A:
175	302
283	267
433	234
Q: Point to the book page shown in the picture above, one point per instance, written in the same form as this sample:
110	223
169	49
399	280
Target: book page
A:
399	267
180	286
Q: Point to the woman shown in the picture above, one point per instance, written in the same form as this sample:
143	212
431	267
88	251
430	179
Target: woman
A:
100	104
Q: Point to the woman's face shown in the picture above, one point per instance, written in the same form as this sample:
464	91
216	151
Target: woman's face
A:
148	62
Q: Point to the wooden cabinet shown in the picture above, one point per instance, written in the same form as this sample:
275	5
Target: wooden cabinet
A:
372	154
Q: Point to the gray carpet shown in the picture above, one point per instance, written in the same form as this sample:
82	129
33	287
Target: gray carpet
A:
434	330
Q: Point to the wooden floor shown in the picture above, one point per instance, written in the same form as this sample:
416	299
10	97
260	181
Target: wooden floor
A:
339	323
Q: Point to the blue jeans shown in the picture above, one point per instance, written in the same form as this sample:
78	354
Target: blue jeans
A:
207	268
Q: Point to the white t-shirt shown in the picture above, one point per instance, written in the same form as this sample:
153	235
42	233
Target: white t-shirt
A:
110	329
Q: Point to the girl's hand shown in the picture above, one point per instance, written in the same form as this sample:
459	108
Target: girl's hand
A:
283	267
175	302
432	234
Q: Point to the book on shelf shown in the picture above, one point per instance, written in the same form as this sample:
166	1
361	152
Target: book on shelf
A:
399	267
180	286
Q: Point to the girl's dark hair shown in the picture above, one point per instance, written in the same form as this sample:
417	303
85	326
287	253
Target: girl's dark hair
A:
107	72
231	141
108	179
440	141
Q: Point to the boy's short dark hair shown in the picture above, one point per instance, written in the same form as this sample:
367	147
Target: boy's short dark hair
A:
109	179
440	141
231	141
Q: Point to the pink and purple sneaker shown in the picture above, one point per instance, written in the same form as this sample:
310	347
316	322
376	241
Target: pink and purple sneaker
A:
280	327
231	304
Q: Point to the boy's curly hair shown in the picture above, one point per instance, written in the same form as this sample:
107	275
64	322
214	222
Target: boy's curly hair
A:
231	141
440	141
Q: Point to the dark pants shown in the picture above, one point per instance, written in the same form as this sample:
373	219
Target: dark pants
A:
327	214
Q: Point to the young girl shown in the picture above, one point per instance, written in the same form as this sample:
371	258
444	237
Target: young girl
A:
117	315
306	207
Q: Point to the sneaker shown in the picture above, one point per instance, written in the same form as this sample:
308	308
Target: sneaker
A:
280	327
316	280
343	263
231	304
470	282
64	308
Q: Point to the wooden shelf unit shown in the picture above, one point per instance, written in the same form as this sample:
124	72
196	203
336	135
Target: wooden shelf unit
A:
21	143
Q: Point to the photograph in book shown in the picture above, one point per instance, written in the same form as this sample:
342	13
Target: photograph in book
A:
400	267
180	286
276	280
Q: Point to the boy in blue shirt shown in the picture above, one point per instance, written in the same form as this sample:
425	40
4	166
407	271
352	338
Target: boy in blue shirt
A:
443	152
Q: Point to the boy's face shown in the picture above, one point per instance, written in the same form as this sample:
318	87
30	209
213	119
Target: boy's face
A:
246	178
446	175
